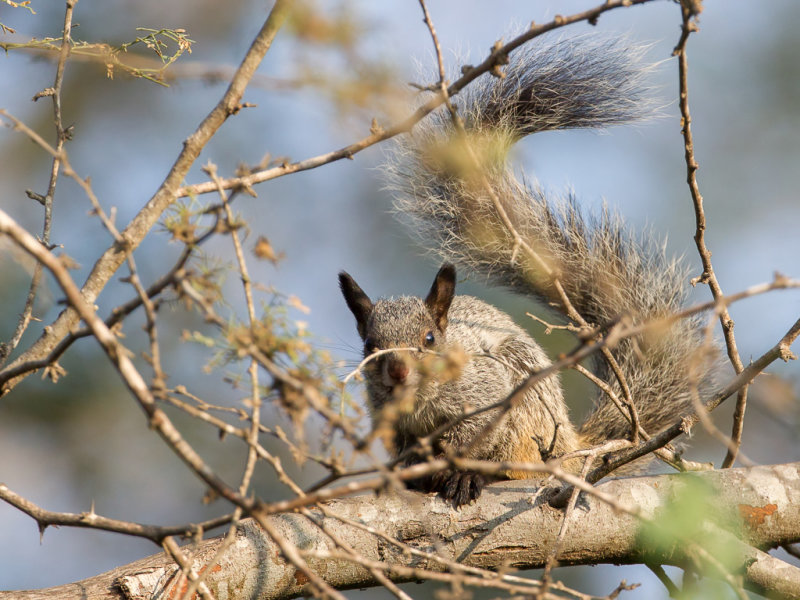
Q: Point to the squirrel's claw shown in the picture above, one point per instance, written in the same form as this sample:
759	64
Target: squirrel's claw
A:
458	487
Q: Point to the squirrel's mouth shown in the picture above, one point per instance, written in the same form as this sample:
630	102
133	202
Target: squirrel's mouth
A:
401	390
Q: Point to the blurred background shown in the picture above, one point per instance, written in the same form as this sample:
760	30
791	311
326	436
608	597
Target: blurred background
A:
84	442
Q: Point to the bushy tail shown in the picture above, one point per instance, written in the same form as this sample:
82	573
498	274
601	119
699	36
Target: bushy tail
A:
605	270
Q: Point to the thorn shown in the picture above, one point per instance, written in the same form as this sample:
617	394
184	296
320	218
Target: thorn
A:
375	128
44	93
34	196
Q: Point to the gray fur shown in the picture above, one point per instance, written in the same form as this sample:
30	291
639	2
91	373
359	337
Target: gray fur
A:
501	355
606	270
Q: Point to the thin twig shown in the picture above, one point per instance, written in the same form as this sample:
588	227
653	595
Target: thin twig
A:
708	276
61	137
118	314
659	572
780	350
91	520
187	570
255	398
491	62
552	558
255	393
143	222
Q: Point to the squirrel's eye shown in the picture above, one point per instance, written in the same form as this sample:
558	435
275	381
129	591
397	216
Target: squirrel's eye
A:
429	339
369	346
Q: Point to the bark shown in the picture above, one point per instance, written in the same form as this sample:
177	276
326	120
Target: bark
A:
510	525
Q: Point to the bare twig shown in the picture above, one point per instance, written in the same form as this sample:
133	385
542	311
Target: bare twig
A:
47	200
562	532
659	572
491	62
91	520
708	276
119	358
117	314
780	350
255	393
166	194
171	548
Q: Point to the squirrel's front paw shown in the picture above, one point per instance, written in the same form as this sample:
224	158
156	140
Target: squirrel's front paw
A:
458	487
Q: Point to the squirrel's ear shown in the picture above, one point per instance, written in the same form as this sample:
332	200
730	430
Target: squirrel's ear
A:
441	294
357	301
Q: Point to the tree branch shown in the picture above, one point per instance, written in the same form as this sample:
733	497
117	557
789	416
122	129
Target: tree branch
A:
143	222
708	276
496	58
510	525
47	199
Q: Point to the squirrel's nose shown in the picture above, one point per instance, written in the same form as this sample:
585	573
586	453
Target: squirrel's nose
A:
397	370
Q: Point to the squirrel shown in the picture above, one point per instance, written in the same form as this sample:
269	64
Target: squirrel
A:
516	237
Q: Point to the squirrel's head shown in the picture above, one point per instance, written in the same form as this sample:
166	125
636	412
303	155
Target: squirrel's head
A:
407	324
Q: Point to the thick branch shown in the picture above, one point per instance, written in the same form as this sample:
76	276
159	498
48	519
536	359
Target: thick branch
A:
510	525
